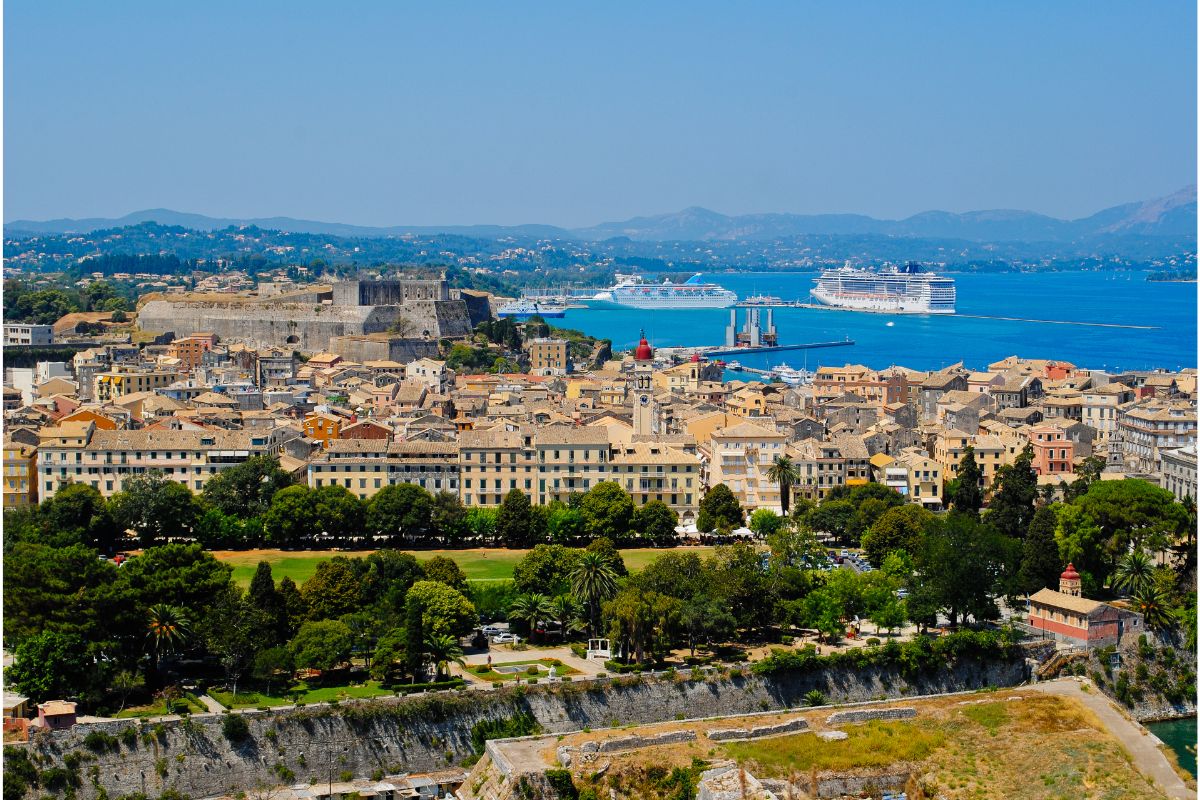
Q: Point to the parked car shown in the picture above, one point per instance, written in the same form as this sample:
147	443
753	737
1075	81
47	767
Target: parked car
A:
506	638
492	630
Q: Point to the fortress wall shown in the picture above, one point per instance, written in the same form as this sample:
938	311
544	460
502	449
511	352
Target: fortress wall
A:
428	732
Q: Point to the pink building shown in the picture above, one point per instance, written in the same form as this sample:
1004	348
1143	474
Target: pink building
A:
1053	450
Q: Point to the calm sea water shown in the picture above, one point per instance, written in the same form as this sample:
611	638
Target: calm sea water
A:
928	342
1178	734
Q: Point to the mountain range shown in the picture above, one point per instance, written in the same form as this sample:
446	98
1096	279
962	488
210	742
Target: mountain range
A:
1172	216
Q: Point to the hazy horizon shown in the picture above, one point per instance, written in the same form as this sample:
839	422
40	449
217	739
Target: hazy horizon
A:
571	116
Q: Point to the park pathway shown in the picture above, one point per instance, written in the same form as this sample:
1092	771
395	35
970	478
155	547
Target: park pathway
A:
212	705
1141	744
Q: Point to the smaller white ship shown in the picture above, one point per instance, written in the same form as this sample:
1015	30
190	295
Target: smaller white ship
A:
792	377
736	366
524	309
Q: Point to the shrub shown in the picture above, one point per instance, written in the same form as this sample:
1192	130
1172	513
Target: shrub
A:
873	642
815	698
235	728
561	782
521	724
129	737
531	670
99	742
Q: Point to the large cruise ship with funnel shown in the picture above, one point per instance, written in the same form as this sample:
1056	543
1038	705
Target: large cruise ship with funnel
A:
907	290
631	292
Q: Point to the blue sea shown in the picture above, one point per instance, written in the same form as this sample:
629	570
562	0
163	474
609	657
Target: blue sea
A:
933	342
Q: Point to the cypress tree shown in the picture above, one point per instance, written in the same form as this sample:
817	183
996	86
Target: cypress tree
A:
968	496
414	638
1040	562
1012	506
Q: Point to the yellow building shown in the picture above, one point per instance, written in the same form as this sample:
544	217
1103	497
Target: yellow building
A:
120	382
549	357
20	475
739	457
493	463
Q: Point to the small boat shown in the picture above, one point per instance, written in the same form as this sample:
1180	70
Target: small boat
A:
736	366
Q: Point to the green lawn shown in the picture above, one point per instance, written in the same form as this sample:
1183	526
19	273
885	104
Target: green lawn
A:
321	694
499	677
158	709
482	564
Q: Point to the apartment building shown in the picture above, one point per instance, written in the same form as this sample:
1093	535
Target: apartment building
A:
740	456
878	388
116	383
28	335
549	357
364	466
1149	427
79	452
433	375
20	475
1053	450
1179	472
491	463
190	350
570	459
659	471
922	478
991	453
1099	405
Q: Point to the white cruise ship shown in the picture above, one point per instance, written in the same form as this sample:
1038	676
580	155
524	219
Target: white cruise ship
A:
897	291
632	292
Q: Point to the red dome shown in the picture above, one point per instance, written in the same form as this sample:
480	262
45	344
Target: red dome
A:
644	352
695	358
1070	574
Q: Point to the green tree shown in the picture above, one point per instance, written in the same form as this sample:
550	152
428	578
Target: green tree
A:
333	590
765	522
605	547
322	644
295	609
156	508
183	575
546	568
968	489
481	524
444	610
704	621
81	512
1133	513
1040	563
897	528
414	637
564	525
448	517
719	510
823	611
593	580
642	622
656	522
1080	542
833	517
443	650
677	574
515	521
291	520
402	511
889	615
263	595
340	515
961	564
1154	606
235	632
246	490
52	666
1134	573
272	664
865	514
216	530
446	570
168	630
784	473
1015	492
607	510
530	609
738	579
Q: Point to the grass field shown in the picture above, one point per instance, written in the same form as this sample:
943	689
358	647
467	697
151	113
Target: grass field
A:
480	564
321	694
482	671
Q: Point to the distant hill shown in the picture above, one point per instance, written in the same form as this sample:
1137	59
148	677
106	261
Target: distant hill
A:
1174	215
1171	216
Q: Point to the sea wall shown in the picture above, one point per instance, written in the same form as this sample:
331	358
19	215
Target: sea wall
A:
429	732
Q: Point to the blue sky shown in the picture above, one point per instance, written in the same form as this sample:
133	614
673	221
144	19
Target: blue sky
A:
437	113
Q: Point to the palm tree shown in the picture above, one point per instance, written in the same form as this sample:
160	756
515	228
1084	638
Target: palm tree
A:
1135	572
531	609
443	650
168	629
593	581
784	473
1152	604
567	614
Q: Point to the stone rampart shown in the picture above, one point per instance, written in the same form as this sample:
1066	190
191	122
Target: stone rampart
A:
428	732
868	714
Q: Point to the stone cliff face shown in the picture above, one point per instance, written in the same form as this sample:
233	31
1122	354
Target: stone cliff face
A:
428	732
